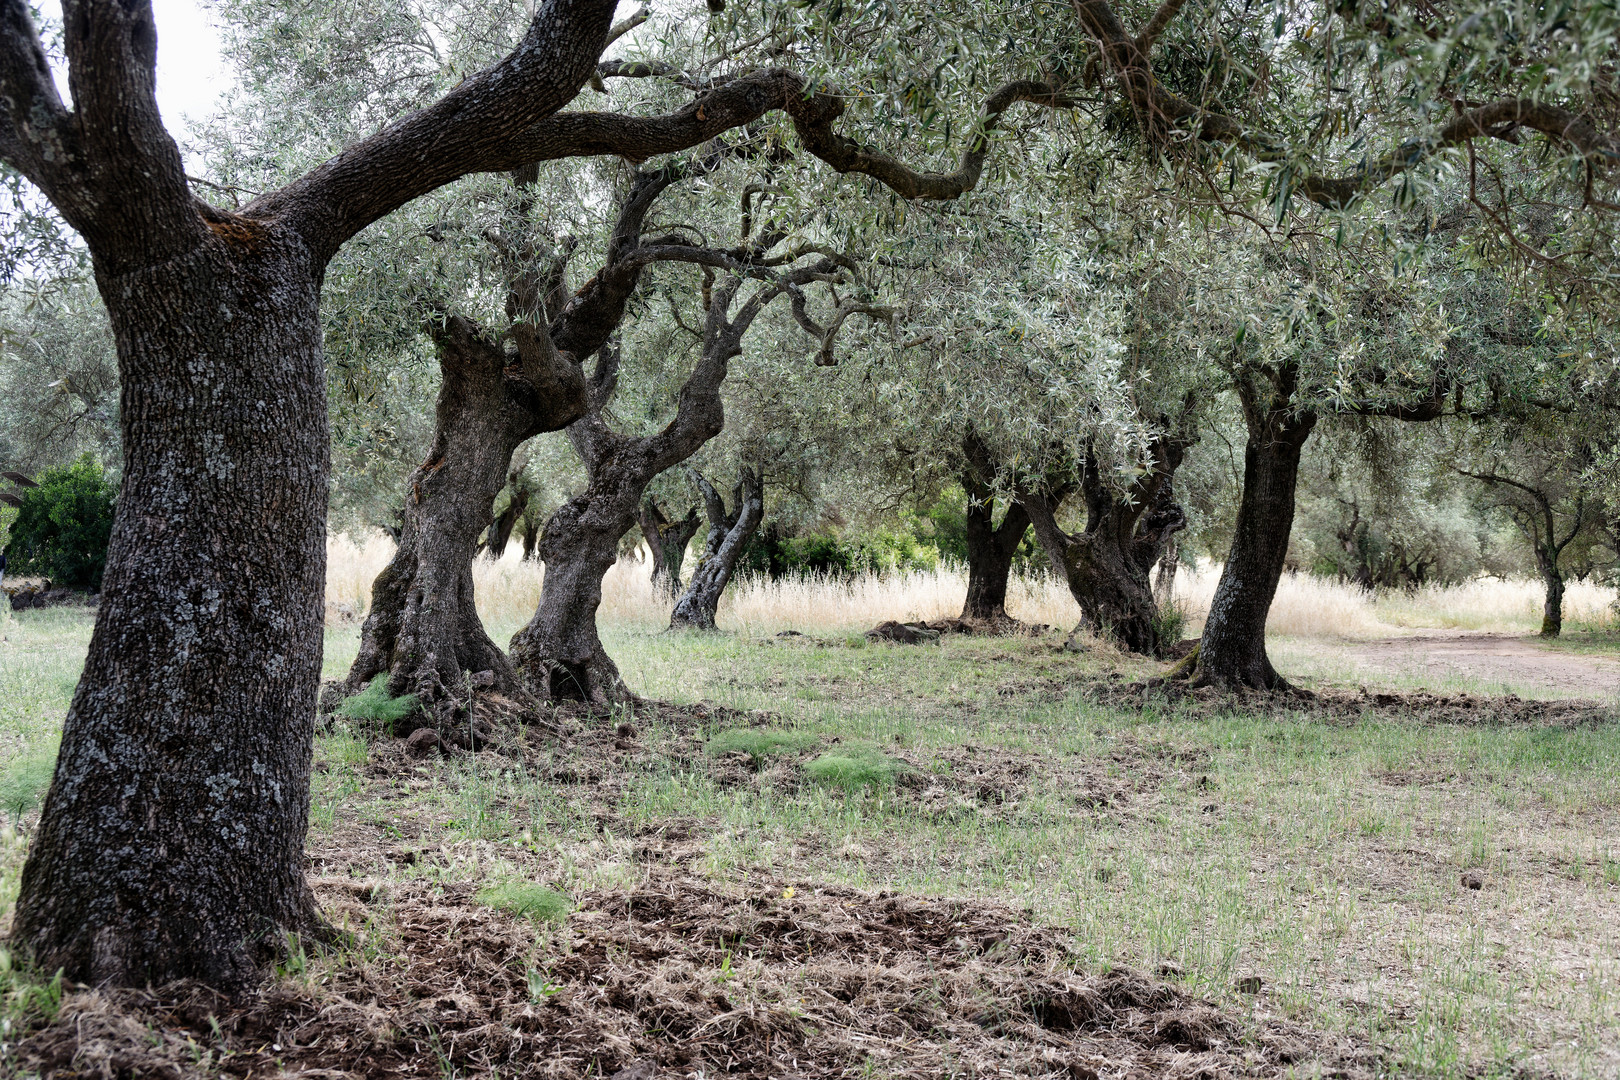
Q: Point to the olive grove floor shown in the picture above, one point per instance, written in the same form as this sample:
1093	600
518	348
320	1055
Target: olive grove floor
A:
824	858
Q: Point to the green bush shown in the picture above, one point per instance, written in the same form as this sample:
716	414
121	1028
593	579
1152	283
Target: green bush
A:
63	525
855	768
878	553
759	743
373	705
527	900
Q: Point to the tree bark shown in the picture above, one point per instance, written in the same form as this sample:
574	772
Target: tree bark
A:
560	652
1106	566
170	844
728	536
1232	650
990	550
1552	606
423	629
500	530
667	540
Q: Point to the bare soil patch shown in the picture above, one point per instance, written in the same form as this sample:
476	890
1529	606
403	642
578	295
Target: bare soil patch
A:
1525	662
1341	706
676	978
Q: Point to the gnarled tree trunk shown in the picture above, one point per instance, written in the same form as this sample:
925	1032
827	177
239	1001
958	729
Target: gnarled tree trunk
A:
1106	565
1232	650
667	541
728	536
990	550
500	530
423	629
560	652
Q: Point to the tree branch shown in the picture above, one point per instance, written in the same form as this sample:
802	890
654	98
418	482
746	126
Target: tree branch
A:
745	99
468	130
109	167
1160	113
1149	34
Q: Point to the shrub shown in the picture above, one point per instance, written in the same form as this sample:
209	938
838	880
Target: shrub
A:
63	525
855	768
878	553
373	705
1171	621
527	900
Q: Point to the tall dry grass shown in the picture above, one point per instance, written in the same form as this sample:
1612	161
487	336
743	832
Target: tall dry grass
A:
1309	606
509	589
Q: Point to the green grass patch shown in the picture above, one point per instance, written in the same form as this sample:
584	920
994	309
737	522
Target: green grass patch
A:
759	743
373	705
855	768
527	900
24	781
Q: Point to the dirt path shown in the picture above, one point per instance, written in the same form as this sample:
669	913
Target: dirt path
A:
1524	664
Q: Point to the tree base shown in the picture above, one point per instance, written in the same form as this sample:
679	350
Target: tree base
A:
1261	677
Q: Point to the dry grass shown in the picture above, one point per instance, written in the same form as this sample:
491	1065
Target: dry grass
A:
1306	606
509	589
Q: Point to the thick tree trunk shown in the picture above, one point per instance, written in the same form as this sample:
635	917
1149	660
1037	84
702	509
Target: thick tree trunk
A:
728	536
1552	608
171	843
559	652
1106	566
990	551
423	629
667	540
1232	651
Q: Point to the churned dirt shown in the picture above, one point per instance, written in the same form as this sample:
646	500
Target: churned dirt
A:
1526	663
677	977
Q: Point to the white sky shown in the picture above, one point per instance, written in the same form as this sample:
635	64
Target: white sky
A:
191	74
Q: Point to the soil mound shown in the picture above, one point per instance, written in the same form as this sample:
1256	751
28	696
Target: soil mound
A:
1420	706
676	978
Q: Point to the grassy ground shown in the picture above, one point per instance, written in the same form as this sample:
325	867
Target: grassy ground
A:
1321	853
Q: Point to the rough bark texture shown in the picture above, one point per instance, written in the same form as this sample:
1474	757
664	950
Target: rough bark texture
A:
1232	651
170	844
667	541
728	536
560	652
171	841
990	550
423	629
1106	565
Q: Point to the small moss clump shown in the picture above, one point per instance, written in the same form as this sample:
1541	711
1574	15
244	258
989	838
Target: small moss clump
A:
759	743
373	705
855	768
527	900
